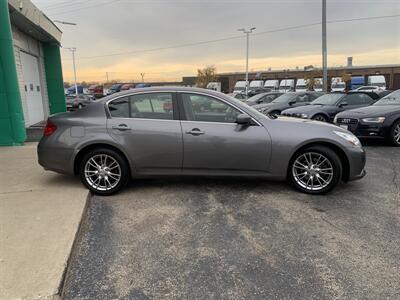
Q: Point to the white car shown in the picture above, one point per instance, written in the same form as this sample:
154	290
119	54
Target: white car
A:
369	88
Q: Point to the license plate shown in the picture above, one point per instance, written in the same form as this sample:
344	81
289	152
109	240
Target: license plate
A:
344	126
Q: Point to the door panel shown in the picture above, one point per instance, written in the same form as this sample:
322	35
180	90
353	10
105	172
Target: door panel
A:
154	145
225	147
34	101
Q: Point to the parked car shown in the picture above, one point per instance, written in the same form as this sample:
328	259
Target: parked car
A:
215	86
377	80
239	95
240	86
129	135
286	85
272	84
285	101
337	84
380	120
127	86
72	91
256	91
142	85
96	90
115	88
78	102
369	88
263	98
301	85
326	107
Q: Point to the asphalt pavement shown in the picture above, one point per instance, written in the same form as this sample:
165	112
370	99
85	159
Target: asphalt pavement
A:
243	239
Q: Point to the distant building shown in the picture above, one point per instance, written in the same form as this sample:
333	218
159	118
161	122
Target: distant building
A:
31	83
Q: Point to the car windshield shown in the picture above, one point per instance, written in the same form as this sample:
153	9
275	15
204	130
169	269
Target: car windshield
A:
338	85
391	99
328	99
256	97
285	98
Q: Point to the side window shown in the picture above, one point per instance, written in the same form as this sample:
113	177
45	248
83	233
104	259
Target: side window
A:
354	99
303	98
368	99
269	98
119	108
207	109
152	106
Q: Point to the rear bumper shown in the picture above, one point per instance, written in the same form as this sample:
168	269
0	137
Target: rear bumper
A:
55	159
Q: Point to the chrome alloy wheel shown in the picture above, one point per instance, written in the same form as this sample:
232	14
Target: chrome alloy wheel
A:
320	118
102	172
312	171
397	134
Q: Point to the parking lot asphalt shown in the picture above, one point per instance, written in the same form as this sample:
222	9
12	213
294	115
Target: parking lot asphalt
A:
240	238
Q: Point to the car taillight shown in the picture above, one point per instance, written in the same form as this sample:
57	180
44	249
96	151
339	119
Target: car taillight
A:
49	129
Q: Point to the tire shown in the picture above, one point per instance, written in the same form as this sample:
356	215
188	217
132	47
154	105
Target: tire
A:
320	118
275	113
315	178
395	134
104	183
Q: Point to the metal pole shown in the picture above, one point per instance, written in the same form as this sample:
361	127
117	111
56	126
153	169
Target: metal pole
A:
107	76
247	62
324	50
73	62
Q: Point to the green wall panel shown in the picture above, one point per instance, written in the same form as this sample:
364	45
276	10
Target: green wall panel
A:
54	78
12	124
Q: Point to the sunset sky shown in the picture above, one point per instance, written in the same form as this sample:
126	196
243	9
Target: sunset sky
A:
128	37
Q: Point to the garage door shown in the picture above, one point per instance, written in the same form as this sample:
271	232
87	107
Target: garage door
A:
33	90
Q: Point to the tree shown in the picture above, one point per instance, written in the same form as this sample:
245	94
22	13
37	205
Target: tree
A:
346	78
311	80
205	76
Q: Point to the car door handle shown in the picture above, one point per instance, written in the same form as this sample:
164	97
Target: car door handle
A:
195	131
121	127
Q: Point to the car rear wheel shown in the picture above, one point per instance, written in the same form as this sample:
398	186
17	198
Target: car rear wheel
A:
315	170
320	118
395	134
104	171
275	113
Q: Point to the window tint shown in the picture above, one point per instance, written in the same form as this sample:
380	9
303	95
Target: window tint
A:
368	99
207	109
152	106
354	99
119	108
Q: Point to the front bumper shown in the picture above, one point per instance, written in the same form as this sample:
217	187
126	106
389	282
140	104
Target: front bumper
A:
357	159
362	130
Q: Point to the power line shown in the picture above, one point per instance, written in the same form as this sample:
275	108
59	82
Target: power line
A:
65	4
85	7
236	37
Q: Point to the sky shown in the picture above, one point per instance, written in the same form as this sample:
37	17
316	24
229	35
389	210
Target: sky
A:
168	39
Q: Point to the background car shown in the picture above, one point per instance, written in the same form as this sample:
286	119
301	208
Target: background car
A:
96	90
263	98
131	135
380	120
78	102
72	91
369	88
115	88
287	100
326	107
127	86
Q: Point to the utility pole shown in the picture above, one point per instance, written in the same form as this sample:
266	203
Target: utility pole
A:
247	32
324	50
107	76
73	49
142	74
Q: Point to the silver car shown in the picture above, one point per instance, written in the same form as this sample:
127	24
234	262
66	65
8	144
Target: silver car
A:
186	131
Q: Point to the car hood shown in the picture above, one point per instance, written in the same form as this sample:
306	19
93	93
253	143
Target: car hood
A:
371	111
305	109
270	106
308	122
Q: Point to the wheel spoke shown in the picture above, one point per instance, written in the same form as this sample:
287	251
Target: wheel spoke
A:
97	172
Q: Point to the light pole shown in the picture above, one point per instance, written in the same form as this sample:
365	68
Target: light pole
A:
73	49
324	50
247	32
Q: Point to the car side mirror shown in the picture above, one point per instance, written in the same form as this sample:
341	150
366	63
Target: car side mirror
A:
243	119
343	104
292	102
259	101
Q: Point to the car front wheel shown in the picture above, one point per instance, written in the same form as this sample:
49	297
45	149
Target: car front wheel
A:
395	134
104	171
320	118
315	170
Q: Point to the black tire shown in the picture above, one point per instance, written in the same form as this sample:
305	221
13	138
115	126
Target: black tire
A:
320	118
275	113
334	162
123	170
394	138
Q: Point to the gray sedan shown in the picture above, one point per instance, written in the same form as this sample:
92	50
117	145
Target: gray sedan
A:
187	131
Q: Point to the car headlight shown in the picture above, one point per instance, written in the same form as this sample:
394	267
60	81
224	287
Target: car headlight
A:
304	116
374	120
352	139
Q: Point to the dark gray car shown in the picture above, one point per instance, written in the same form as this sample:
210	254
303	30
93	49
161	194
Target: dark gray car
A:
287	100
136	134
